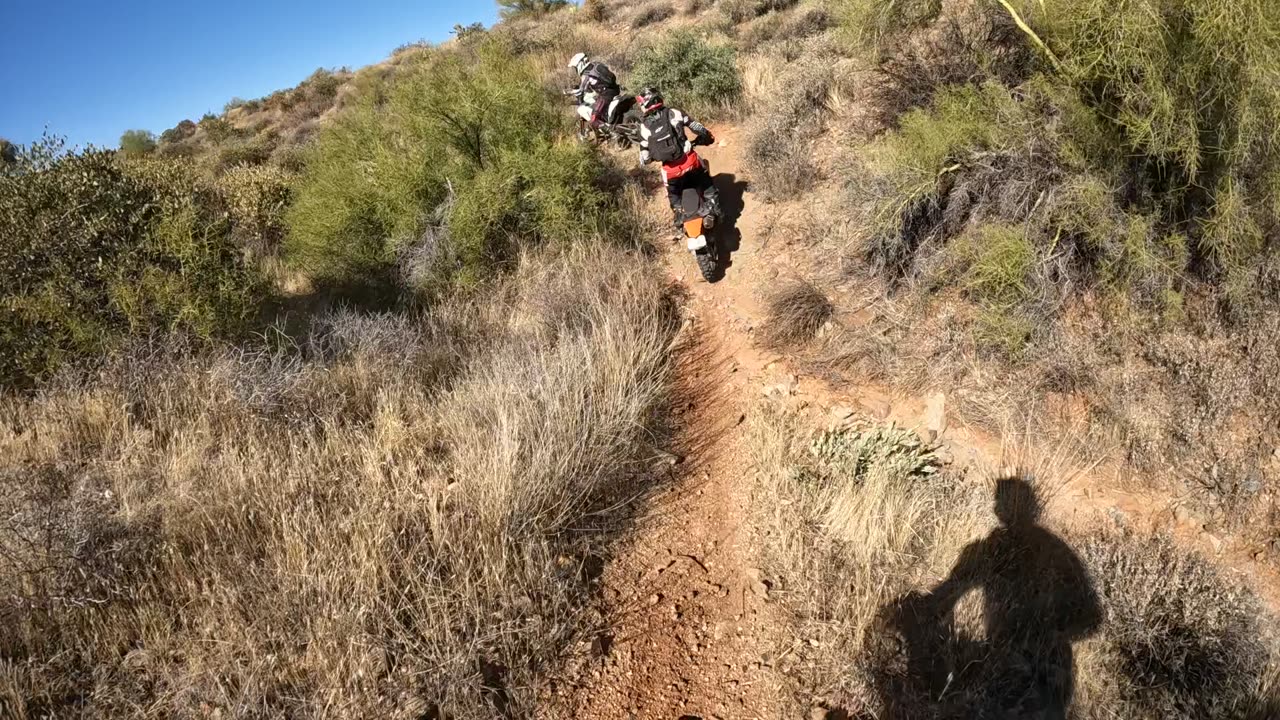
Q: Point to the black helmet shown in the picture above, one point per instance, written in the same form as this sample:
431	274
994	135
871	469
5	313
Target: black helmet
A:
649	100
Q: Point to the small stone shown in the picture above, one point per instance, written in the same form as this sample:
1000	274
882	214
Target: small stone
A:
1214	542
935	415
842	412
655	598
818	713
1181	514
813	642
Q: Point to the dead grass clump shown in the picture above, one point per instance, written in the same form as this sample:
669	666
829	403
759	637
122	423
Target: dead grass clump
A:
797	312
652	13
402	518
595	10
1180	640
779	150
738	11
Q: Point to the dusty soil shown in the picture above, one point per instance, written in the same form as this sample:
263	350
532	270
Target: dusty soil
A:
695	633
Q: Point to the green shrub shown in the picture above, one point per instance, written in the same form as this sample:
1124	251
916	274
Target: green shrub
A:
253	151
137	142
217	129
94	249
8	152
693	73
378	171
178	133
256	199
519	8
546	195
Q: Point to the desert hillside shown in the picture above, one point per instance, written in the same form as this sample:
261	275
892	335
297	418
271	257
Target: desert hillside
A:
390	396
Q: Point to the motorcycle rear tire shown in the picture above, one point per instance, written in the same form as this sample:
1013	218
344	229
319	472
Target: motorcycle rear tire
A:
708	266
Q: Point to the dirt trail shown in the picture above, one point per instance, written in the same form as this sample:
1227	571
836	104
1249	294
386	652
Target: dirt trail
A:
694	632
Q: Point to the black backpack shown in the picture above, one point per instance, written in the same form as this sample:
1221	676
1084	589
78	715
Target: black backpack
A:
603	77
665	143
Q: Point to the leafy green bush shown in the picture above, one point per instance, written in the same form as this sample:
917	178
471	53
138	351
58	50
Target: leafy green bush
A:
546	195
693	73
378	171
256	199
137	142
94	249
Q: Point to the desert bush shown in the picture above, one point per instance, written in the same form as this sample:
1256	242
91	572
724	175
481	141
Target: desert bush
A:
652	13
97	249
595	10
256	199
693	73
178	133
546	194
402	516
525	8
247	152
738	11
376	172
1181	640
217	129
780	135
796	312
137	142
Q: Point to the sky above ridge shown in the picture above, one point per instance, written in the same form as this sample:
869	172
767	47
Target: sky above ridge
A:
89	70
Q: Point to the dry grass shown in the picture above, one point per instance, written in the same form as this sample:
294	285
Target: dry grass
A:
911	600
797	311
654	12
400	518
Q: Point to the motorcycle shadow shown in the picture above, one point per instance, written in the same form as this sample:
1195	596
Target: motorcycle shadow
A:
729	237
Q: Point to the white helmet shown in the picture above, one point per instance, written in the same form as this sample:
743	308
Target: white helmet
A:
579	62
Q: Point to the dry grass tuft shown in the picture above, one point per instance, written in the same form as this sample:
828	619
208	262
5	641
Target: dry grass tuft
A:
400	518
654	12
797	311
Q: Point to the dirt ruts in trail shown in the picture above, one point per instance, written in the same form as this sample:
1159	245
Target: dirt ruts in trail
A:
693	632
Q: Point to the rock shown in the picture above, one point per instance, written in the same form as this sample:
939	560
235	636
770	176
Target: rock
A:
1252	485
935	415
655	598
1214	542
878	408
760	589
817	712
1181	514
841	412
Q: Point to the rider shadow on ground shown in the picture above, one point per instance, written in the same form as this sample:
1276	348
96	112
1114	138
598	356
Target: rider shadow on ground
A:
730	190
1037	600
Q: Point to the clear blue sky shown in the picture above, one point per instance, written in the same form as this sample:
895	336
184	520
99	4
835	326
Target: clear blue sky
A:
91	69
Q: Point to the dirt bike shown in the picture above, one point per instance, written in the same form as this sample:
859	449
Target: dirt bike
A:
701	219
622	133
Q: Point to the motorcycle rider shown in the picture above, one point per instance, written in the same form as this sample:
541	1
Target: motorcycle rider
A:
597	92
663	139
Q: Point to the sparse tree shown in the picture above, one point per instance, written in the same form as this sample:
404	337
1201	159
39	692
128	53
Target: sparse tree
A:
8	152
137	142
517	8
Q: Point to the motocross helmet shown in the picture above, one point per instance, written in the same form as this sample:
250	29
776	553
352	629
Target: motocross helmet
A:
579	62
649	100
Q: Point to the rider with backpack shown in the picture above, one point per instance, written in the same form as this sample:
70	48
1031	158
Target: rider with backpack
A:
597	92
663	139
